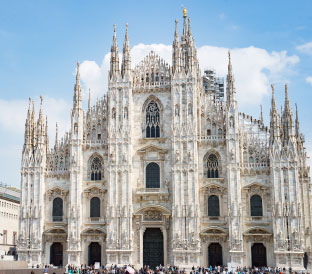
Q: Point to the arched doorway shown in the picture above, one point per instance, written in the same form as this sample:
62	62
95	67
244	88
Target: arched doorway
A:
258	255
56	254
94	253
153	247
215	254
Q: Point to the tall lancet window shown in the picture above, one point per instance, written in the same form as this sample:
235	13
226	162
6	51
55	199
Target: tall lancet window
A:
96	169
212	166
152	120
57	210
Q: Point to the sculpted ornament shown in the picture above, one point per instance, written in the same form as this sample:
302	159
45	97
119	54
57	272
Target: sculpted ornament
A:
152	215
177	156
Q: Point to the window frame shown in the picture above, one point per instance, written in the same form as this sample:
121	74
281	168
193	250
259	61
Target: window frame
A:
145	174
90	207
209	207
253	207
57	218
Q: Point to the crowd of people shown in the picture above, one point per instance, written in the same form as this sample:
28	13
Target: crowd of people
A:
128	269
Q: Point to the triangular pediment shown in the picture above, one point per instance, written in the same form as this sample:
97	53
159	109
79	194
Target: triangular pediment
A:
152	148
255	185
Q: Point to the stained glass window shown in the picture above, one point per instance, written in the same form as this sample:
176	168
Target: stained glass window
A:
152	120
96	169
212	166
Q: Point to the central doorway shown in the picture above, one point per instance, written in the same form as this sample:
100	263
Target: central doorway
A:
215	254
153	247
258	255
94	253
56	254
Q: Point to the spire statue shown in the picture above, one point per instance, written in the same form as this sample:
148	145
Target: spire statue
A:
126	58
114	60
77	89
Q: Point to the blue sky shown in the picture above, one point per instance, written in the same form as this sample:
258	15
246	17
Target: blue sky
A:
41	41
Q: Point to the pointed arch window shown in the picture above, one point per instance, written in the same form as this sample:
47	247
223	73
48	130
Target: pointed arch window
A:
96	169
212	166
57	210
152	175
256	206
213	206
152	120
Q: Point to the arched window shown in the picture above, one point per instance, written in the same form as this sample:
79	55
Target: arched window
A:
219	132
256	205
152	120
214	129
212	166
57	211
152	176
190	109
213	206
95	207
96	169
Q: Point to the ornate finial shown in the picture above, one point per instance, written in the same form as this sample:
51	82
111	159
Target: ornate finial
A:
114	28
261	114
286	90
126	26
184	12
41	100
272	87
229	54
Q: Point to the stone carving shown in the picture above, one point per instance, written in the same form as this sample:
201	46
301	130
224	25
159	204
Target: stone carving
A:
152	215
177	156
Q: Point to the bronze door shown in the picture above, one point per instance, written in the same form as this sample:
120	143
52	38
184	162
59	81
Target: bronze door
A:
258	255
94	253
56	254
215	254
153	247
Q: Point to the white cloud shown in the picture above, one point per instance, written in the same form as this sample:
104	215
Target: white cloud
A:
254	68
13	115
12	125
305	48
309	80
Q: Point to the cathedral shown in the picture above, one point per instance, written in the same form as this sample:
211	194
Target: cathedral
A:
164	169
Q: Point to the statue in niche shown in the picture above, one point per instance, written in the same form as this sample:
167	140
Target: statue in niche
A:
167	184
232	154
177	156
176	111
190	157
112	157
124	158
273	211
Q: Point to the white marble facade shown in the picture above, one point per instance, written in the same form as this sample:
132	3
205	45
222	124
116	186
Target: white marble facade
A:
160	156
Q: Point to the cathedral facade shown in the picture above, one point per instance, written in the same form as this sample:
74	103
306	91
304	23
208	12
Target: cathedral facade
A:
164	171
